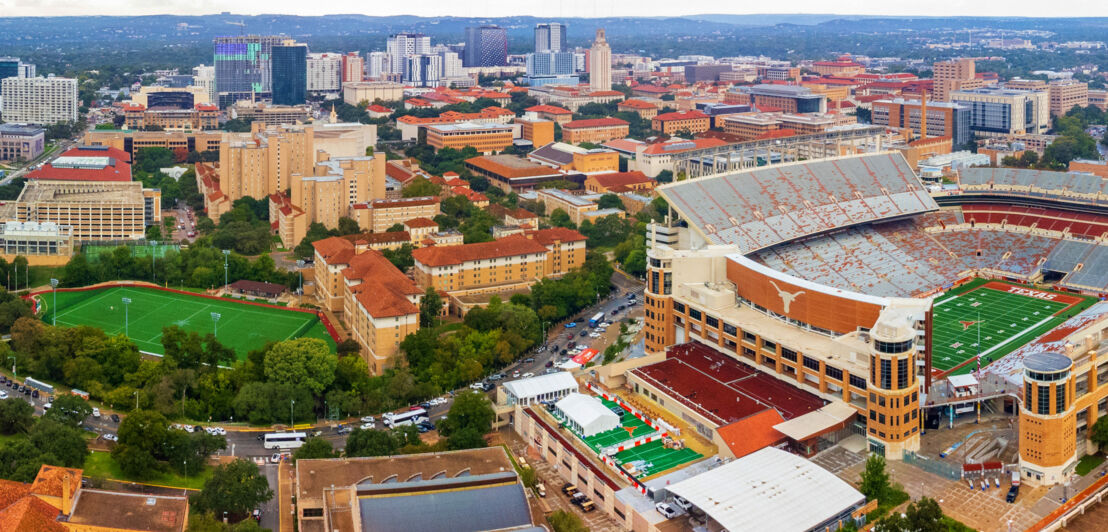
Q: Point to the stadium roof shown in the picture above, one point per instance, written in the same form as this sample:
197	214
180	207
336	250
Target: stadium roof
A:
769	486
757	208
542	384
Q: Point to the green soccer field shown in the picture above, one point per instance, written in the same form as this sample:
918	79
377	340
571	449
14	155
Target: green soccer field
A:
241	327
1004	321
655	457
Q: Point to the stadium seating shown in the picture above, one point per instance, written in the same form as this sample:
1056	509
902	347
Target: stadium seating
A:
1079	224
757	208
1094	271
1066	186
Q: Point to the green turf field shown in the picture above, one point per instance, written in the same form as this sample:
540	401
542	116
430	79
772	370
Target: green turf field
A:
241	327
654	455
93	251
1005	321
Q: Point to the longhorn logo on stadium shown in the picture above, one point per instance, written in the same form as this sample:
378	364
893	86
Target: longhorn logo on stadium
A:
786	298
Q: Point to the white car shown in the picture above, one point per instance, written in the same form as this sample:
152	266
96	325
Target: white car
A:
666	510
477	386
368	419
681	502
95	412
527	375
276	458
368	426
605	325
594	335
45	407
111	437
3	394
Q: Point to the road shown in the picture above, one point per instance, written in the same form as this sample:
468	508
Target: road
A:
185	223
61	148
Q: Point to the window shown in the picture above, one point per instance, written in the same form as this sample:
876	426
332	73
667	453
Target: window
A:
730	329
1027	395
902	373
679	307
789	354
858	382
1044	400
766	344
881	418
711	321
1059	398
811	363
833	373
313	512
694	314
667	285
886	374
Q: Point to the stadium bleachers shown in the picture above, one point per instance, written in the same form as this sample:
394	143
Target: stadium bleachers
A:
757	208
1094	270
1079	224
1067	186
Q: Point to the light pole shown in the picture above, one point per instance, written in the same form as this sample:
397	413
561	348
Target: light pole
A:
300	269
292	416
126	325
215	322
154	260
54	288
226	253
136	401
14	374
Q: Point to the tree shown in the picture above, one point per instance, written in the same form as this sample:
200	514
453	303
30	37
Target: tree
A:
303	362
421	186
560	218
429	307
66	443
665	176
370	443
347	226
394	228
875	480
314	448
69	409
16	415
609	201
1099	432
470	410
236	488
563	521
924	515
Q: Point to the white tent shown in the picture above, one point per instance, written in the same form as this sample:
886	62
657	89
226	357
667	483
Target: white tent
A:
586	414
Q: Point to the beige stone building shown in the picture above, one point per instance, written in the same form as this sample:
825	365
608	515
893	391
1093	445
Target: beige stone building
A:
1065	94
326	194
378	215
953	76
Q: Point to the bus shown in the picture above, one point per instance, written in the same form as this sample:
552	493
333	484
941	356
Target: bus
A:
41	386
410	417
284	440
596	320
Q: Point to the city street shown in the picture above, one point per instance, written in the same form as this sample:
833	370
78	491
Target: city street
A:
185	223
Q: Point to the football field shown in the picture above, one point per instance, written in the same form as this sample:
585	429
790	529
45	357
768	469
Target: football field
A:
240	326
1002	315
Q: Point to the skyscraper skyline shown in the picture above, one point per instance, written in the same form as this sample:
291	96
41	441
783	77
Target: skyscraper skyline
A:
243	66
290	74
401	46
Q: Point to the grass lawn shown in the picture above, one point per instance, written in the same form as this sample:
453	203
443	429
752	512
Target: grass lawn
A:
101	465
241	327
1088	463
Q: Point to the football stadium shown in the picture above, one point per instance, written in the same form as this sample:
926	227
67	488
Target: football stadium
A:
239	325
847	278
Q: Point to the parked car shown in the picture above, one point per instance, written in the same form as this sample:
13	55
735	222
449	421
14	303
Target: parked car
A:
4	395
342	429
540	488
95	412
426	405
549	363
367	419
529	360
115	418
684	504
527	375
569	489
368	426
1013	492
488	387
666	510
583	333
570	324
275	458
477	386
34	394
257	515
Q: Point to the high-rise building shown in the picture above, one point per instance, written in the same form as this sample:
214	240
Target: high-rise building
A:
600	64
41	101
290	74
549	64
486	46
1066	94
324	73
243	66
944	119
451	65
953	76
203	77
353	67
550	37
9	67
404	45
1003	112
377	64
423	70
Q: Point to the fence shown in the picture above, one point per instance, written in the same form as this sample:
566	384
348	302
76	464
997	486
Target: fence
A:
943	469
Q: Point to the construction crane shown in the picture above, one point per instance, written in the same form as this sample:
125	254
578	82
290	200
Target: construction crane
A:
240	24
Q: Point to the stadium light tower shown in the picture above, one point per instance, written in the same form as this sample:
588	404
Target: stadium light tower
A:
226	253
300	269
215	322
54	288
126	325
154	260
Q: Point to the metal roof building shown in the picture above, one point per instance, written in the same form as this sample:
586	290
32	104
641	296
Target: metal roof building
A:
548	387
771	489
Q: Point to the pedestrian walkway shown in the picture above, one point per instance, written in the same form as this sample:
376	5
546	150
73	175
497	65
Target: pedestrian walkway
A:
284	497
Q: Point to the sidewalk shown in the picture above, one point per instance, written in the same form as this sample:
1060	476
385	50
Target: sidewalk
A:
284	498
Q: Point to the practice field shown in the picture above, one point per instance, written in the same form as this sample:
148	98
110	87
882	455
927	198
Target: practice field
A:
649	458
1005	316
94	251
241	327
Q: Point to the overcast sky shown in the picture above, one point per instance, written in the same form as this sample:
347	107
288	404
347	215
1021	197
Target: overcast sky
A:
548	8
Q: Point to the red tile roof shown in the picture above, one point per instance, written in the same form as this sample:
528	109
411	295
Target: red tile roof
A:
404	202
549	109
637	104
554	235
605	93
752	433
595	122
450	255
621	178
30	514
384	290
334	250
117	169
521	214
679	115
420	222
651	88
379	109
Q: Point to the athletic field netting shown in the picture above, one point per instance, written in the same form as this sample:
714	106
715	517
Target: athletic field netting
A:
241	327
94	251
648	458
1006	315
